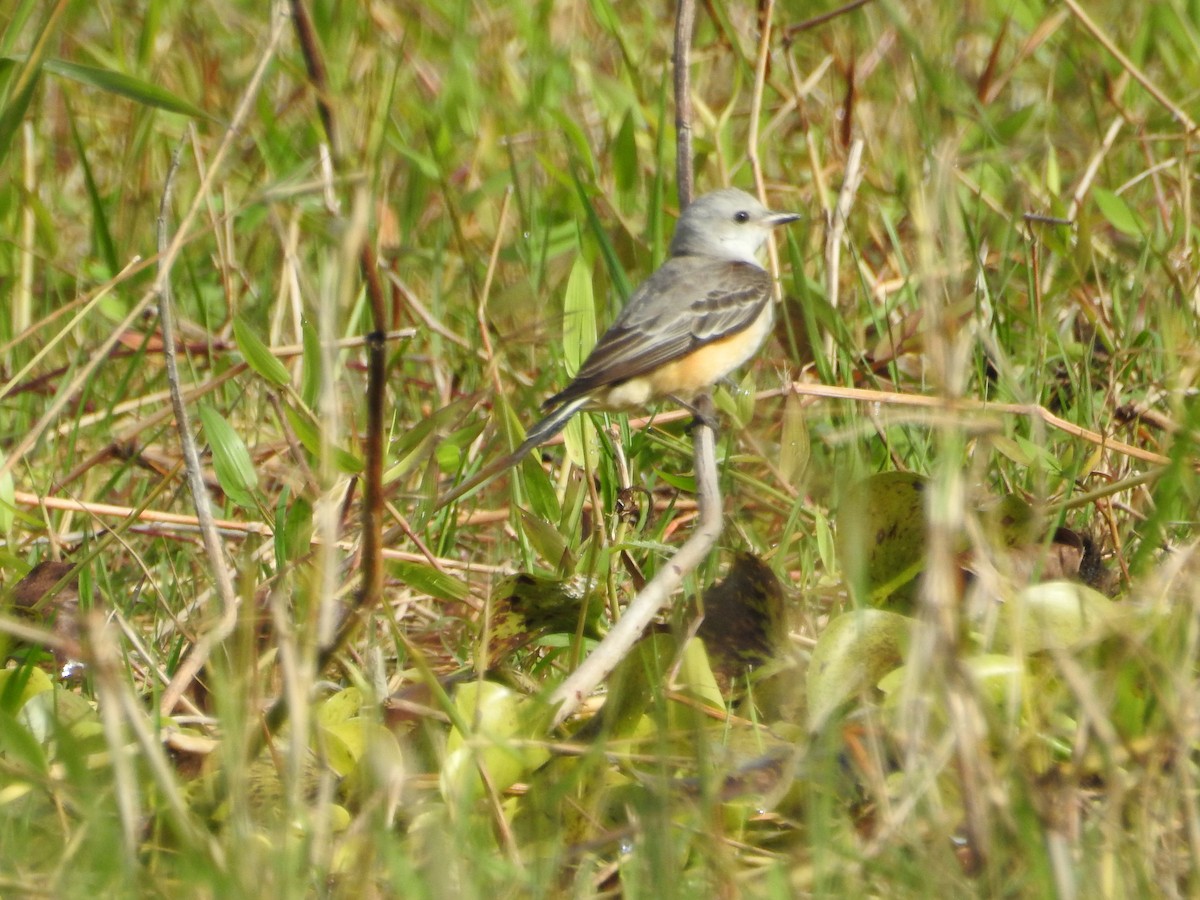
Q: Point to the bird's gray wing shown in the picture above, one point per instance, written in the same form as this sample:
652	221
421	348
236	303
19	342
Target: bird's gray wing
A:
687	303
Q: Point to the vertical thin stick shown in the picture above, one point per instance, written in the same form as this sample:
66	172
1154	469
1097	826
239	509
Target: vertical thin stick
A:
657	593
756	100
760	81
685	21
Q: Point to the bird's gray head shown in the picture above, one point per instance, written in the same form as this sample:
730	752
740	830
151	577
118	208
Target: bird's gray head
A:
726	224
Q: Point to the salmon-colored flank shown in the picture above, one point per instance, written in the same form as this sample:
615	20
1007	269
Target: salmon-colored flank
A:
688	375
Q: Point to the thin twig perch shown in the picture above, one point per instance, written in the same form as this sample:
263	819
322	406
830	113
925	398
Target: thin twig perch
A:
657	593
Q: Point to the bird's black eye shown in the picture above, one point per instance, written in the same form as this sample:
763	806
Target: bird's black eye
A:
741	217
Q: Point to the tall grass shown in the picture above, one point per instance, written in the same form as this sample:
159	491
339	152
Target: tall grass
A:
1023	235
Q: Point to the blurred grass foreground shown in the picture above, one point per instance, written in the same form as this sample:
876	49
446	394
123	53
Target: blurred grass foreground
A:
950	635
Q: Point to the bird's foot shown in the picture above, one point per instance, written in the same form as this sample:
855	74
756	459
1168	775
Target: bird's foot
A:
702	409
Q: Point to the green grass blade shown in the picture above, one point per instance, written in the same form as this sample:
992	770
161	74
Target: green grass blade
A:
615	270
123	85
103	233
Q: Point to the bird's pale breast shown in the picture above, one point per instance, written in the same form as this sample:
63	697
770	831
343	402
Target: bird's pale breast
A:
687	376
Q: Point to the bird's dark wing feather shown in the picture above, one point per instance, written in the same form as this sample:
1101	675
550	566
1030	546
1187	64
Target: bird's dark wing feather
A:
685	304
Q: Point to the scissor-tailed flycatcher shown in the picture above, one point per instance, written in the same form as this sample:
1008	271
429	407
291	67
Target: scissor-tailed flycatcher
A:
702	314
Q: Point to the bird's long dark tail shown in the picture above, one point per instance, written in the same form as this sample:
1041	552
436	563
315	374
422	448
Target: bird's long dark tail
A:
537	435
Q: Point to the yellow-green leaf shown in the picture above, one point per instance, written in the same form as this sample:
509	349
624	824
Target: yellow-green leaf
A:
695	676
503	723
1118	213
1054	615
881	534
123	85
547	540
429	580
852	654
794	448
579	315
231	460
343	706
579	336
18	685
258	355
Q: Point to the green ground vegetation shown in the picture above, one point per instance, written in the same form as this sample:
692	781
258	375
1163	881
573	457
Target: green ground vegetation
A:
974	677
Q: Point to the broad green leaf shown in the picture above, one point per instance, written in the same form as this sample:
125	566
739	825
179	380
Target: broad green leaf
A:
503	723
527	605
1000	680
794	448
548	541
539	490
19	748
231	460
258	355
1054	615
447	452
683	483
1038	455
579	315
49	714
343	744
579	337
343	706
1012	450
881	534
18	685
293	528
695	676
378	758
1118	213
852	654
582	442
744	397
